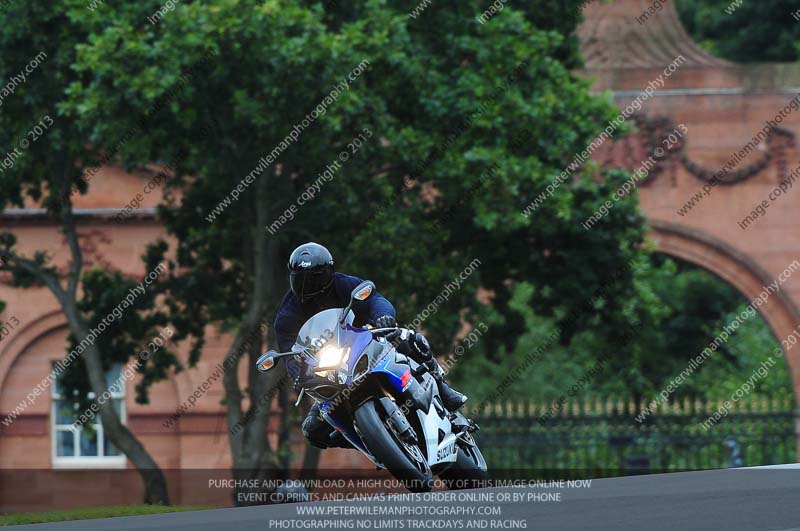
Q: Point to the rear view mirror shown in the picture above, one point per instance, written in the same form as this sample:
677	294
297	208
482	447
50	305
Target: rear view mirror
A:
266	361
363	291
360	293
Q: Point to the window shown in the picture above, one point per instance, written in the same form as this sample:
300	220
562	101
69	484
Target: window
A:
86	446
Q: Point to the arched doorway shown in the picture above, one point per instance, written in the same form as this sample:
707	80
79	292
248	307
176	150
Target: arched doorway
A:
714	255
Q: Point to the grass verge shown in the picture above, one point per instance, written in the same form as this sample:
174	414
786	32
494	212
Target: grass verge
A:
94	512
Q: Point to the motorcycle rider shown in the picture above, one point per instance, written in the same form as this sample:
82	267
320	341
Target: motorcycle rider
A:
316	286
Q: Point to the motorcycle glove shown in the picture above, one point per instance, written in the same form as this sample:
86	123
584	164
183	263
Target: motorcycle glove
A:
387	321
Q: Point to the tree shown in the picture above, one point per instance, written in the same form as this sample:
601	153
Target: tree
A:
765	31
695	306
47	155
682	310
424	141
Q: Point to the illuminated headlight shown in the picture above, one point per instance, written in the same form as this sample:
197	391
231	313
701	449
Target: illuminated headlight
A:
330	357
327	373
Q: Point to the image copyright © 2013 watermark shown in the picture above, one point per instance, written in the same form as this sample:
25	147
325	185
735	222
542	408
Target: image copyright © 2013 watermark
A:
18	79
290	139
323	177
34	134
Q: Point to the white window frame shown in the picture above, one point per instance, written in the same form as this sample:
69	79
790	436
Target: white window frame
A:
84	462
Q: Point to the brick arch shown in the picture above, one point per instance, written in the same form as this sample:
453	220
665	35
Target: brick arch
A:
725	110
47	323
25	336
739	270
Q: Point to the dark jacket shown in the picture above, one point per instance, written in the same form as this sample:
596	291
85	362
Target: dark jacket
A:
293	314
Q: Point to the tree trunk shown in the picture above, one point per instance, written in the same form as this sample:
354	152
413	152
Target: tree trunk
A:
155	485
252	456
310	464
284	402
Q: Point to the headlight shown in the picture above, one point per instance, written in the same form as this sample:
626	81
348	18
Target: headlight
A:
330	357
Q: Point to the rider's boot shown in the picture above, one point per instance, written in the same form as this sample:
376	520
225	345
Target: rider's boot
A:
319	433
337	440
451	398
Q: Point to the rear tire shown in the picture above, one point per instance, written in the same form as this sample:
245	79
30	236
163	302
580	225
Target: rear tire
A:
404	460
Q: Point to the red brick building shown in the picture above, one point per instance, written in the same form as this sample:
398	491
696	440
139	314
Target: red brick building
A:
707	116
721	105
68	469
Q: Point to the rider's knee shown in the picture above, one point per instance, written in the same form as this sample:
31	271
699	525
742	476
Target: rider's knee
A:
307	427
420	346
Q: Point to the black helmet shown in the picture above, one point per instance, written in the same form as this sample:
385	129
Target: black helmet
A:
310	271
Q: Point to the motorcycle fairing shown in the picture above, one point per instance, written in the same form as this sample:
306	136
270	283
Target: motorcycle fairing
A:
435	420
359	340
346	429
398	374
432	415
394	370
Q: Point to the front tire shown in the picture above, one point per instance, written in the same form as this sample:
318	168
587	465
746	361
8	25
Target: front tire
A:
469	469
400	457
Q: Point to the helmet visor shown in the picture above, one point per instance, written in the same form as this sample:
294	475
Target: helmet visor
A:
306	284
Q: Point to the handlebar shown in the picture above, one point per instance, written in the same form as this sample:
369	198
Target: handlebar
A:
382	330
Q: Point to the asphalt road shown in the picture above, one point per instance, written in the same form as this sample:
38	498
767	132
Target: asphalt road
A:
730	500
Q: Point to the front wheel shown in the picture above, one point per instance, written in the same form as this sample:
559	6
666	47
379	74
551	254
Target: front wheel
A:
400	456
469	470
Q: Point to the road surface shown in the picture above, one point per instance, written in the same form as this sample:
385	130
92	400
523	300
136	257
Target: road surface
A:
730	500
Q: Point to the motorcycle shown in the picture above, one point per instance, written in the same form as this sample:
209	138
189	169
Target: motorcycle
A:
383	402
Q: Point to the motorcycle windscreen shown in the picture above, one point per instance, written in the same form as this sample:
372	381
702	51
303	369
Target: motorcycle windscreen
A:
320	329
323	328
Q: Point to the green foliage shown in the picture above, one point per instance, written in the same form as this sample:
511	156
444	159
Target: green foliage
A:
437	94
40	170
763	31
751	347
51	170
686	308
550	366
691	301
697	305
127	336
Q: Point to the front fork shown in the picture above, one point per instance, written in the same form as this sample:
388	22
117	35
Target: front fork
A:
346	429
397	421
